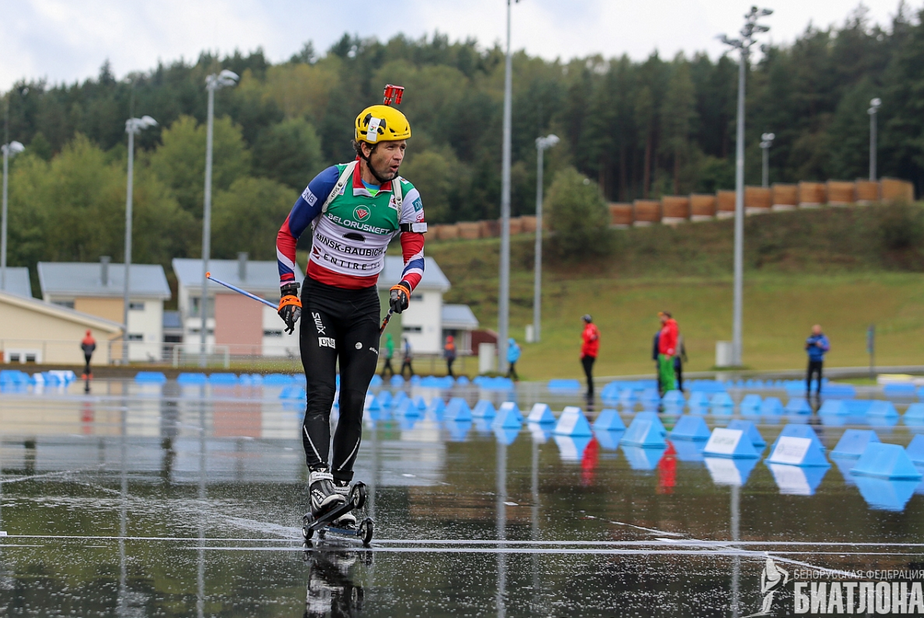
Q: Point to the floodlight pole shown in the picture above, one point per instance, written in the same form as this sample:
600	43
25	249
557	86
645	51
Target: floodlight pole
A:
766	140
9	149
503	301
751	27
212	83
542	143
872	111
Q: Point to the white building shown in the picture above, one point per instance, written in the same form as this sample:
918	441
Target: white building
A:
422	322
97	288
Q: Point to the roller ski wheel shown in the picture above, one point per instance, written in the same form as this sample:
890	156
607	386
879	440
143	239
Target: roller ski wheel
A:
366	530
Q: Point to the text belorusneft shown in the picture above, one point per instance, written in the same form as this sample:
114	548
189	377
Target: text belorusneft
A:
859	597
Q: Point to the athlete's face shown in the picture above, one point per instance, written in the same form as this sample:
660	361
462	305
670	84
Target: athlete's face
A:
387	158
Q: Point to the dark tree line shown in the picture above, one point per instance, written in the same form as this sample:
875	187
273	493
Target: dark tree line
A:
641	129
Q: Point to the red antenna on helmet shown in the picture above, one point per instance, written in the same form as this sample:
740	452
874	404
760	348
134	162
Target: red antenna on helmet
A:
393	94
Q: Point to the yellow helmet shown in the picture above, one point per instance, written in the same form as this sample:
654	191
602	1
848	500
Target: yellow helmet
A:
381	123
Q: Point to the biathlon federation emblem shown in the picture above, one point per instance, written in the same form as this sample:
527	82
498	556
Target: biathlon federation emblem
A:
361	213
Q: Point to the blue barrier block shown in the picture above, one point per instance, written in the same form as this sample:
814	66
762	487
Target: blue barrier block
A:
644	432
840	390
420	402
484	409
733	443
508	416
706	386
750	403
482	425
880	421
572	422
750	430
275	379
690	428
458	430
797	451
886	494
798	405
191	378
376	381
541	414
415	380
564	385
833	407
698	399
150	377
571	448
721	400
653	417
797	480
641	458
384	398
609	440
506	435
399	398
223	378
882	408
799	430
857	407
915	412
689	450
462	380
650	395
436	408
728	471
540	433
915	450
372	404
609	420
458	410
904	390
854	442
674	398
406	407
396	381
771	405
886	461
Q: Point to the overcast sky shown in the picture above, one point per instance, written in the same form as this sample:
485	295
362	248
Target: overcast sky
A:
68	40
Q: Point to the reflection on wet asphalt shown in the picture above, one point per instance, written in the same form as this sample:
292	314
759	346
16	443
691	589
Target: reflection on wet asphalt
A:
162	500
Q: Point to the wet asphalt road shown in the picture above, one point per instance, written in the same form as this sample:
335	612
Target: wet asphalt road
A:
167	501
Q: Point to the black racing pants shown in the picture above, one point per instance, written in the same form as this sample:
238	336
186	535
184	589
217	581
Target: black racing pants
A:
814	367
337	324
588	363
678	372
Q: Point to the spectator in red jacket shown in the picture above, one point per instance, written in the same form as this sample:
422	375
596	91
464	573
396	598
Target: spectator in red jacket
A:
667	349
589	348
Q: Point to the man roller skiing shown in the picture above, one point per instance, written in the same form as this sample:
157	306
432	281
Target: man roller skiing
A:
355	209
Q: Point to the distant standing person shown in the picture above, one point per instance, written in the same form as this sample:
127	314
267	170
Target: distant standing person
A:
513	355
389	354
590	346
408	357
449	353
667	349
679	359
816	346
88	345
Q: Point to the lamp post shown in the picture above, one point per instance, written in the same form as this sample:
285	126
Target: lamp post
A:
874	106
212	83
766	140
542	144
750	29
10	149
503	297
133	126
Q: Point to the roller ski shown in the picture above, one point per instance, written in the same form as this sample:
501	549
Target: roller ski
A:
332	511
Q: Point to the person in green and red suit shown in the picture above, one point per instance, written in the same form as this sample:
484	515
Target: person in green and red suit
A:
667	349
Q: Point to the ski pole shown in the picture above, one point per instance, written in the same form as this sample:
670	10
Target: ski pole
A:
385	321
240	291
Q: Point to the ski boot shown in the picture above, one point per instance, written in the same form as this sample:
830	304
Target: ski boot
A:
324	497
333	521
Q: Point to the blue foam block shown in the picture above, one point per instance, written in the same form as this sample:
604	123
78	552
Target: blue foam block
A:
384	398
886	461
690	428
644	432
771	405
797	480
698	399
376	381
733	443
689	450
750	430
721	400
915	450
372	404
653	417
854	442
406	408
399	398
900	390
396	381
650	395
572	422
458	430
458	410
571	448
799	430
857	407
641	458
150	377
542	414
673	398
609	440
915	412
484	409
798	405
506	435
727	471
223	378
882	408
420	403
797	451
191	378
564	385
833	407
508	416
750	402
886	494
609	420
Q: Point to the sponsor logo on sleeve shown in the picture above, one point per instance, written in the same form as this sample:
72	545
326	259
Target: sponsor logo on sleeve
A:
309	197
418	205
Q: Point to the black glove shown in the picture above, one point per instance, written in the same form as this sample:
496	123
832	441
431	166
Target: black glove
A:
290	307
399	296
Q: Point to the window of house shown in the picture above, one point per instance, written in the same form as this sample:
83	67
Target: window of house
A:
417	297
412	329
135	337
64	303
272	333
136	306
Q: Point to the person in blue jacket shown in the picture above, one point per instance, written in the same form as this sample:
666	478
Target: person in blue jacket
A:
815	346
513	355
